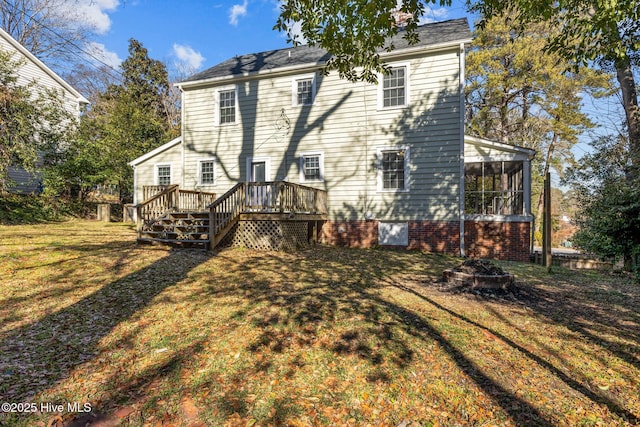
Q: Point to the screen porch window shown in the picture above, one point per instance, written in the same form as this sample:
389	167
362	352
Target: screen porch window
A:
394	87
494	188
164	175
207	174
393	170
227	106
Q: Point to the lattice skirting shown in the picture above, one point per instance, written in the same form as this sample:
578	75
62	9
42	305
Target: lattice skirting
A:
269	235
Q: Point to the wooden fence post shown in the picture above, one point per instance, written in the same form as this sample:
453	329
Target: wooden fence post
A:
546	238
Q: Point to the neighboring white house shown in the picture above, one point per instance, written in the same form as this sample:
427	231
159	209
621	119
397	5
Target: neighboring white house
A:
392	157
35	70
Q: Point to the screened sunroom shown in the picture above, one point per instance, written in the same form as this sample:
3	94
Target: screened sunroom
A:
497	179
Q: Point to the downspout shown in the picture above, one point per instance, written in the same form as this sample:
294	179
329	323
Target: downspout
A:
461	184
182	143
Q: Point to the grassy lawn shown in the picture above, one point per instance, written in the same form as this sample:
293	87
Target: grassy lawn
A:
151	336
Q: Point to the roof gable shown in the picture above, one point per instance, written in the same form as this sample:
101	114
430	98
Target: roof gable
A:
31	58
499	146
430	35
164	147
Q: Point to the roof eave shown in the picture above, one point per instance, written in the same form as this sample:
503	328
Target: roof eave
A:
317	65
155	152
530	153
81	99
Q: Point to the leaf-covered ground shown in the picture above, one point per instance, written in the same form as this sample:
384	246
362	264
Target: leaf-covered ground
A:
146	335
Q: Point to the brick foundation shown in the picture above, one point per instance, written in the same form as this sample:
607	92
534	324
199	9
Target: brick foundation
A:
432	236
354	234
498	240
483	239
435	236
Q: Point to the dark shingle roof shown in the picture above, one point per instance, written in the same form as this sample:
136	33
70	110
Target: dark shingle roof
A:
429	34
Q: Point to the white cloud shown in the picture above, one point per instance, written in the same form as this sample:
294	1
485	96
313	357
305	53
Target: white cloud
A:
90	14
434	15
187	55
295	30
236	11
100	54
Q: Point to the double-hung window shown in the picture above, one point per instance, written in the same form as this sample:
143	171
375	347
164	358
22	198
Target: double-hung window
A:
163	174
393	171
311	167
394	87
304	90
227	106
207	172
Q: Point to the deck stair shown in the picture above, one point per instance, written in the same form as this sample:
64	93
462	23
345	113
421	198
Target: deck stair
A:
178	228
173	216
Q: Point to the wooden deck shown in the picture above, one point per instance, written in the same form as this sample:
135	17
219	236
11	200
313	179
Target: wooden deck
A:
189	218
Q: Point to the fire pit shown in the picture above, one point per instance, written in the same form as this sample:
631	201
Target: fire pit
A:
479	274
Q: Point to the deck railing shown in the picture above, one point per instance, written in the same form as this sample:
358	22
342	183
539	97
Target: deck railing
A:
148	191
226	208
156	206
170	199
189	200
263	197
282	196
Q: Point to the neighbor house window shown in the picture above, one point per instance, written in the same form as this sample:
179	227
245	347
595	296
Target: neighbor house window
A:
207	172
393	173
394	87
163	174
226	106
312	167
494	188
304	90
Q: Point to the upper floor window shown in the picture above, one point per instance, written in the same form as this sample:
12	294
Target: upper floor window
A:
207	172
393	172
311	167
304	90
227	106
394	87
163	174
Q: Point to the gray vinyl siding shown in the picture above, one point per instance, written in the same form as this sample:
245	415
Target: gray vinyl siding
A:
30	72
345	124
24	181
145	172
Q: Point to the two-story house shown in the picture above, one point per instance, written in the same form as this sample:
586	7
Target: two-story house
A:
392	156
34	70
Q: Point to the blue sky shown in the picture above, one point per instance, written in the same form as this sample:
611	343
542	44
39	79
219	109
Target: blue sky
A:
192	35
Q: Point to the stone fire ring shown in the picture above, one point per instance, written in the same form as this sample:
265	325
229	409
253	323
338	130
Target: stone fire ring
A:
481	281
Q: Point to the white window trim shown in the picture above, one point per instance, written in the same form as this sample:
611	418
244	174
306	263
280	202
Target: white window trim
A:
320	154
215	167
267	167
157	176
407	99
217	111
407	162
294	89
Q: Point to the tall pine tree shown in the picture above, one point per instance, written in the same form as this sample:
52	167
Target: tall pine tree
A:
521	94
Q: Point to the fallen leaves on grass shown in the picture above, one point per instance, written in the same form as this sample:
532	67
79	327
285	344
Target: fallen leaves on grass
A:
328	336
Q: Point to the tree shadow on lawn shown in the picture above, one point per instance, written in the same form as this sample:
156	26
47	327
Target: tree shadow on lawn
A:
36	356
291	306
568	305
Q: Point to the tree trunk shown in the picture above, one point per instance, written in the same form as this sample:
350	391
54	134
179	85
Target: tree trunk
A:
539	211
631	110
